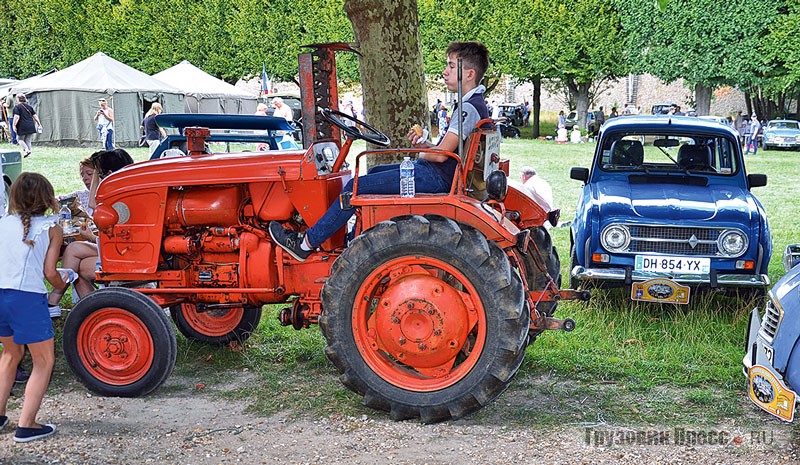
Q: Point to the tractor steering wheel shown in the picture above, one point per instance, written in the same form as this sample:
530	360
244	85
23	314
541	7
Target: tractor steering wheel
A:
371	134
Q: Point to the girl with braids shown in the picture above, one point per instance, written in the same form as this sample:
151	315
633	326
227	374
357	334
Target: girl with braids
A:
31	244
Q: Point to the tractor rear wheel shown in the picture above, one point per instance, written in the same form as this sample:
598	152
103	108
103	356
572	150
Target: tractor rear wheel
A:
537	280
119	343
218	327
425	318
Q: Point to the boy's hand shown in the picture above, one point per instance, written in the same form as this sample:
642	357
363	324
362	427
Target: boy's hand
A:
418	136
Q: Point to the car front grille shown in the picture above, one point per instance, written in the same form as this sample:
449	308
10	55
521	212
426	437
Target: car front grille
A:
674	240
771	322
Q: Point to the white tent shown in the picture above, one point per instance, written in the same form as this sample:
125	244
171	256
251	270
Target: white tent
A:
206	94
66	101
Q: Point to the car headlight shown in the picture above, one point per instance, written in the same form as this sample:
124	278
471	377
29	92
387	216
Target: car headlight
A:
615	238
732	243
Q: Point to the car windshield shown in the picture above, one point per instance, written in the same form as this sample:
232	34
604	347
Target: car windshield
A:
674	153
784	125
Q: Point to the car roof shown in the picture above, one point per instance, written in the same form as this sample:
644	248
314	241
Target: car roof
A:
222	121
783	121
665	122
290	93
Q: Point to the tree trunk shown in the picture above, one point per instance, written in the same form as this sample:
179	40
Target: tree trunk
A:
537	105
702	99
579	92
392	77
748	104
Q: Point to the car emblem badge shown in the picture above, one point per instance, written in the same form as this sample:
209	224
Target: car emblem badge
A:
693	241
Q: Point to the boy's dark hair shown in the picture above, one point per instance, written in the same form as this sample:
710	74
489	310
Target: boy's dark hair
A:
474	55
31	195
106	162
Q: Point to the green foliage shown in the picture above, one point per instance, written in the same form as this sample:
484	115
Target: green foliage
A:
782	47
226	38
704	42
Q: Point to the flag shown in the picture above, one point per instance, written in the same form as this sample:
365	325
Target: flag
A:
265	82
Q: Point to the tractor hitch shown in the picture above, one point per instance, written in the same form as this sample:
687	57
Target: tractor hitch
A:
550	323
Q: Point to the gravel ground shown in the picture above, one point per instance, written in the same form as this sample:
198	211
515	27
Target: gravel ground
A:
174	426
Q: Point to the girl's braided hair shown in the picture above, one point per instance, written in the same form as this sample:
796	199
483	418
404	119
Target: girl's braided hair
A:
31	195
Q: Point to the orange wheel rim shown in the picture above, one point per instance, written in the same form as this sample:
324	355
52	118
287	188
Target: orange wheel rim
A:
115	346
214	323
419	323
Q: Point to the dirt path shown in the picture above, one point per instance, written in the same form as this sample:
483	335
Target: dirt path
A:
182	425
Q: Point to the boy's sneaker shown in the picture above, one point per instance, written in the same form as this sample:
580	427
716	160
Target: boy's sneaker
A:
32	434
55	311
289	241
22	375
3	422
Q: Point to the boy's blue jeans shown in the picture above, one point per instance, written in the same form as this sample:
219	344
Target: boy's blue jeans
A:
383	179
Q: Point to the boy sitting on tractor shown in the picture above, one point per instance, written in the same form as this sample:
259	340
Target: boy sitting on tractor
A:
433	173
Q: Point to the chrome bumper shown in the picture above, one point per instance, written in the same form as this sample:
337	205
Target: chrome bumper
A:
618	274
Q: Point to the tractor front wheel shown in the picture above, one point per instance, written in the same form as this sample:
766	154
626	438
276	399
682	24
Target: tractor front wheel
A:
216	326
425	318
119	343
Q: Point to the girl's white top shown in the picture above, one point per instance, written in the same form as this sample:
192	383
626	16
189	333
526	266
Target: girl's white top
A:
22	266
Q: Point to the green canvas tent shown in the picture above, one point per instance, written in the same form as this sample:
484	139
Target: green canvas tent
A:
67	100
203	93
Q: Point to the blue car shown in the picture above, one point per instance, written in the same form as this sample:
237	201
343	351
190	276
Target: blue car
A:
772	365
781	133
666	207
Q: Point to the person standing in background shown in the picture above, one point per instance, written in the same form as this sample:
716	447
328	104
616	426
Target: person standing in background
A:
443	120
153	133
282	110
26	123
752	137
8	112
105	124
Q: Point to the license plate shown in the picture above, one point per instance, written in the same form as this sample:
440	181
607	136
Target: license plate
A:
678	265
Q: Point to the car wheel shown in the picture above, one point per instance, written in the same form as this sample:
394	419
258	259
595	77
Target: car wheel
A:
573	262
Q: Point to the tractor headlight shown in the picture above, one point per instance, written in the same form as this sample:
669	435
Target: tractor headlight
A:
732	243
497	186
615	238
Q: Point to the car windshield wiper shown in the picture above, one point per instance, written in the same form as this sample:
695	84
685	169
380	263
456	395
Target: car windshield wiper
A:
674	162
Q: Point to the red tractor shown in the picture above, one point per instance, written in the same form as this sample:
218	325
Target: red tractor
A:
427	310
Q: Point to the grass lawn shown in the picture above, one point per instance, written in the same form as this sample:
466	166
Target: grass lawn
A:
626	362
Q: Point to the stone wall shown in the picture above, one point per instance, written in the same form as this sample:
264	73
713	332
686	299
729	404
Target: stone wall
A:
725	101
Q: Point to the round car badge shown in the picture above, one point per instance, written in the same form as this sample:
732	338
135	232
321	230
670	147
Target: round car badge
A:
763	389
660	291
